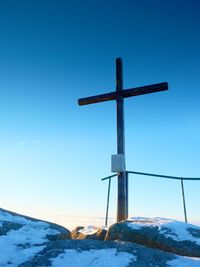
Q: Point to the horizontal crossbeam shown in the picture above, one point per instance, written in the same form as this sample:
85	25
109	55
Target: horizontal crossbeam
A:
125	93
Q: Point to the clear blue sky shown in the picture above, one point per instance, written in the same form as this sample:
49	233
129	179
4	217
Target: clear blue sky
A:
53	152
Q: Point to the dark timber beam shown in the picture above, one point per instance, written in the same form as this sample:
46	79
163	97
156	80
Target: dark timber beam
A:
153	88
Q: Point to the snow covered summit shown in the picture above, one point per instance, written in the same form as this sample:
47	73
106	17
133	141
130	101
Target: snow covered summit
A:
28	242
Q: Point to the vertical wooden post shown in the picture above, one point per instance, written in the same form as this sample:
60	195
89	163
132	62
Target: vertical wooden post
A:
184	205
122	211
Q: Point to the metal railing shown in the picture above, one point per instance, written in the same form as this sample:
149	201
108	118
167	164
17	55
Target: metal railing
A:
181	179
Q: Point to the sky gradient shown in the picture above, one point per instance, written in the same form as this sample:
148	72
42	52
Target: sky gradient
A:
54	152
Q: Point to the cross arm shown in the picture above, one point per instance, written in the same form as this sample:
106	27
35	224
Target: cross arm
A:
153	88
97	98
125	93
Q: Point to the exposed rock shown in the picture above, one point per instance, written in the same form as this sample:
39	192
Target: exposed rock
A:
63	233
75	232
166	235
8	226
89	232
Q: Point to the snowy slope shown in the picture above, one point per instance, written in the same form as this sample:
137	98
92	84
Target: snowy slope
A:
22	237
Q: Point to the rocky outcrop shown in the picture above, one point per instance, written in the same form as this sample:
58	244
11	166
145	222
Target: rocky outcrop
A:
62	233
89	232
22	237
14	221
166	235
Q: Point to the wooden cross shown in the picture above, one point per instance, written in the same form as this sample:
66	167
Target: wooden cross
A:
119	95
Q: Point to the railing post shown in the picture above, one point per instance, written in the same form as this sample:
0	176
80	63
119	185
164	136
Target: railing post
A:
107	205
147	174
184	204
127	194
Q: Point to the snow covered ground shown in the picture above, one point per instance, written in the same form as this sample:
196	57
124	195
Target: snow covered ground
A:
110	257
21	244
93	258
28	242
184	262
